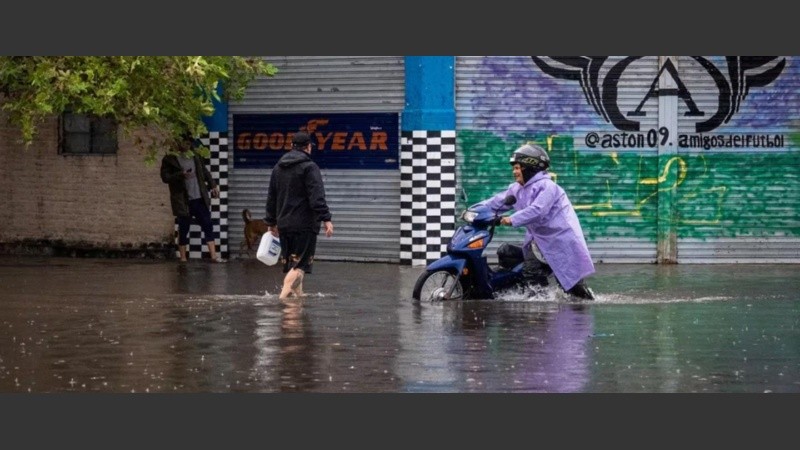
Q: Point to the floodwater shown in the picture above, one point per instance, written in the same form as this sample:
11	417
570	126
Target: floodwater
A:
108	325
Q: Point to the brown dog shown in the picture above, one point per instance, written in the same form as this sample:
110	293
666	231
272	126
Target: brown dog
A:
253	230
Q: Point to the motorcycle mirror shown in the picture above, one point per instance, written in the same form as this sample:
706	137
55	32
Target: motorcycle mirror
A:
510	200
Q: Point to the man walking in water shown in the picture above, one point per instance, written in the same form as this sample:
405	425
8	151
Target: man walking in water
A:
296	208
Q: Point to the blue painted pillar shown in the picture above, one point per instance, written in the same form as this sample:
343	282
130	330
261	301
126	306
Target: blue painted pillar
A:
218	122
217	141
430	93
427	159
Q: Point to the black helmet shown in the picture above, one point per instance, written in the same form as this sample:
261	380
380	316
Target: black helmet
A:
531	155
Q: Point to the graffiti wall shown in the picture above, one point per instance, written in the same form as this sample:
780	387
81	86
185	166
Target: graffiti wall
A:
669	159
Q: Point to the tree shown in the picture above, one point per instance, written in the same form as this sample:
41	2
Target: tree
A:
168	93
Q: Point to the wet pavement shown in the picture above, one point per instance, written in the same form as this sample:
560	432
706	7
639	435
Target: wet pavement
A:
111	325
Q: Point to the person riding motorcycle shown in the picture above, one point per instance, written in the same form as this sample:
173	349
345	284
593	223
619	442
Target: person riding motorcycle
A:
552	229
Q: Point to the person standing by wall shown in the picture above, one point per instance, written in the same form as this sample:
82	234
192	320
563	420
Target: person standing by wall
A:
190	188
296	208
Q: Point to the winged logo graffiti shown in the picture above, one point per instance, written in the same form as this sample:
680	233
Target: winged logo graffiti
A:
600	85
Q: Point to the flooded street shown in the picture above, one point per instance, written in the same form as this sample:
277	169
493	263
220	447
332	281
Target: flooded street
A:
106	325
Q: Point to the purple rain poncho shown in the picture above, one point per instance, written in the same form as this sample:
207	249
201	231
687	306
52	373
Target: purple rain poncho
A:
544	210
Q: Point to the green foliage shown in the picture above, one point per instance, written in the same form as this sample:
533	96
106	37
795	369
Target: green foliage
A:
170	94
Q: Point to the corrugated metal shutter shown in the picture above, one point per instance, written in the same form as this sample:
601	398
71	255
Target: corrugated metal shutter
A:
740	204
503	101
365	204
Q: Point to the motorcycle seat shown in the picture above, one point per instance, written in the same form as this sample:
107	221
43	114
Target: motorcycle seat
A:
509	256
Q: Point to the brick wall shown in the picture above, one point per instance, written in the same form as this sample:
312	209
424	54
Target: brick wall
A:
112	201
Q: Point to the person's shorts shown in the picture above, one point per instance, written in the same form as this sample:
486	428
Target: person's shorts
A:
297	250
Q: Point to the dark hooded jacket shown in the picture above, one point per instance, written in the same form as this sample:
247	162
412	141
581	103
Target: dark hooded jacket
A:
172	174
296	196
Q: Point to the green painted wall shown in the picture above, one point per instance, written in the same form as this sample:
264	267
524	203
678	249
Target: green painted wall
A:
616	194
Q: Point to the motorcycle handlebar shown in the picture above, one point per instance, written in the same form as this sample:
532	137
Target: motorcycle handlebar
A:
495	223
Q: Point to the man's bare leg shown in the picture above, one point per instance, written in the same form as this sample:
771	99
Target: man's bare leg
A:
182	252
292	280
298	289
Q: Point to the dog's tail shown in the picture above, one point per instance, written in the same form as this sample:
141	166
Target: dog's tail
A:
246	215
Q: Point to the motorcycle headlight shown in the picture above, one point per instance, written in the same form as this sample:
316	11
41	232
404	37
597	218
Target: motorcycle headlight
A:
468	216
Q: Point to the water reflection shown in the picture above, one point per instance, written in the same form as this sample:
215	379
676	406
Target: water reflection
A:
192	278
296	351
495	346
82	325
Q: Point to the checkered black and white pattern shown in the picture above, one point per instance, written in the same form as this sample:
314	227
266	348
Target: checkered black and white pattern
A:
218	166
427	194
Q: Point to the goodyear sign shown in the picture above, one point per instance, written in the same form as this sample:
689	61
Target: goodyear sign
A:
341	141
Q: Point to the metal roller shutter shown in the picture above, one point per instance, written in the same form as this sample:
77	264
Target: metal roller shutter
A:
365	203
739	204
502	101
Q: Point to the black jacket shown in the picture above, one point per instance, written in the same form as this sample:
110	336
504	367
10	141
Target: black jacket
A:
296	196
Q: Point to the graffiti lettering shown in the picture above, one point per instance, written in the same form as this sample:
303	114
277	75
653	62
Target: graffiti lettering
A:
730	141
628	140
681	92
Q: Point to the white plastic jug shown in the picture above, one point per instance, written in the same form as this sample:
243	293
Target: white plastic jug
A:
269	249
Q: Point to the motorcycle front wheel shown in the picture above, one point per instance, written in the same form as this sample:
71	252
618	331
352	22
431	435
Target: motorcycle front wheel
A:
433	286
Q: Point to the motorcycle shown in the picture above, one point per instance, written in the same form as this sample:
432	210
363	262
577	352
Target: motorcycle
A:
464	272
